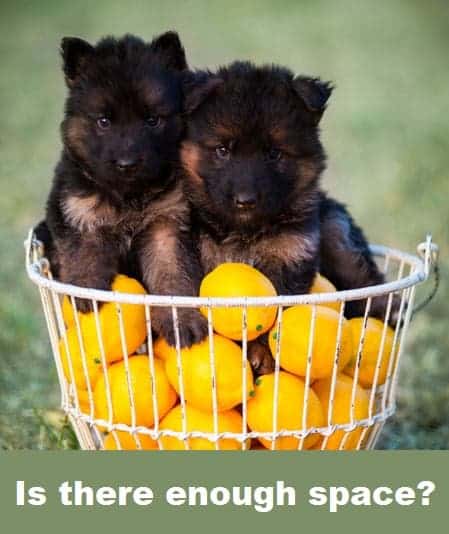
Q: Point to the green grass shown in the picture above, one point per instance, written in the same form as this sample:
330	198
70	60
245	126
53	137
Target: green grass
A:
386	132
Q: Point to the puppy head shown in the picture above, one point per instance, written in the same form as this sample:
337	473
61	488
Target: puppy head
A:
252	151
122	122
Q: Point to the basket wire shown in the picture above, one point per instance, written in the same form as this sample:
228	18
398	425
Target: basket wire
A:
403	272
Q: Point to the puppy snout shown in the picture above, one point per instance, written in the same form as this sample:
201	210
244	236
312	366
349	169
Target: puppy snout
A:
126	164
245	200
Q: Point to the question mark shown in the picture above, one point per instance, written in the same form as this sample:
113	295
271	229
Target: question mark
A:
428	488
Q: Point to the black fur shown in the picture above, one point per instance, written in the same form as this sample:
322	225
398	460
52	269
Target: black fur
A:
245	193
345	258
115	195
253	160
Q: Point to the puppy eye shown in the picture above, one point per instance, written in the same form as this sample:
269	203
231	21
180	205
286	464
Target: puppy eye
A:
103	123
274	154
222	152
153	121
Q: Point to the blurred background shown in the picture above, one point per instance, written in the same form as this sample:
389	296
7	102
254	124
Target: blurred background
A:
386	133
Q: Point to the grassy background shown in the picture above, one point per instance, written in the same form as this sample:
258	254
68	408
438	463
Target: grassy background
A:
386	132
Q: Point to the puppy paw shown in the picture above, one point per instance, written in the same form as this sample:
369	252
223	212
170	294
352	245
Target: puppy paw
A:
192	327
260	358
84	305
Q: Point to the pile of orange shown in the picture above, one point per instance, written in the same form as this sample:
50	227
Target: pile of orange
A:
110	380
206	388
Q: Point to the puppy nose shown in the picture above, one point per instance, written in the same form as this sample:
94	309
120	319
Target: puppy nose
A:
125	164
245	200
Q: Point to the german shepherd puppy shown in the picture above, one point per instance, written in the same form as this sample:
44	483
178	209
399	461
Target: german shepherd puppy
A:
252	160
115	195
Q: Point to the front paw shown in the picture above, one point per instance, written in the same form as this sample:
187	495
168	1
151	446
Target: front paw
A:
84	305
260	358
192	326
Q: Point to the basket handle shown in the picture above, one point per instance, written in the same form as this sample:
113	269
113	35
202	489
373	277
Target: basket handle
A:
35	254
429	252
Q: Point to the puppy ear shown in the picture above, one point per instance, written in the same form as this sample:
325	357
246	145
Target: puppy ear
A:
169	47
314	93
197	87
75	55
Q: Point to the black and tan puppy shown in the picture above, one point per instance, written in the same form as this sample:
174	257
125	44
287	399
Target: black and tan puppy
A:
253	160
115	193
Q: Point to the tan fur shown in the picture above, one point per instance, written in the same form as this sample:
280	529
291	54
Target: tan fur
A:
308	169
159	256
284	249
290	248
190	156
76	133
164	238
171	206
88	213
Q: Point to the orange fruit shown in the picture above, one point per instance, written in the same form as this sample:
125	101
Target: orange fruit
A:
85	369
291	392
162	349
317	446
197	421
342	410
134	323
323	285
127	442
371	350
239	280
83	399
197	378
67	312
294	344
141	383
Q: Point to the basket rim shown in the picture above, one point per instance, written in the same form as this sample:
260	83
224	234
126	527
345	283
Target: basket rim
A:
157	432
35	266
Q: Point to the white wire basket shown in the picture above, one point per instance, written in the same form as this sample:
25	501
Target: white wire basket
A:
402	272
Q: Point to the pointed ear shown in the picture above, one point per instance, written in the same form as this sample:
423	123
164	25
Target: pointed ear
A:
314	93
168	46
75	55
197	87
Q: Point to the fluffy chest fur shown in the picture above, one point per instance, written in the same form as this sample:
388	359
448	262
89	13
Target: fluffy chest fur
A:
89	214
285	249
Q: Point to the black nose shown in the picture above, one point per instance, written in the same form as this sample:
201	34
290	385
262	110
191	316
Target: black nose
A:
126	164
245	200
